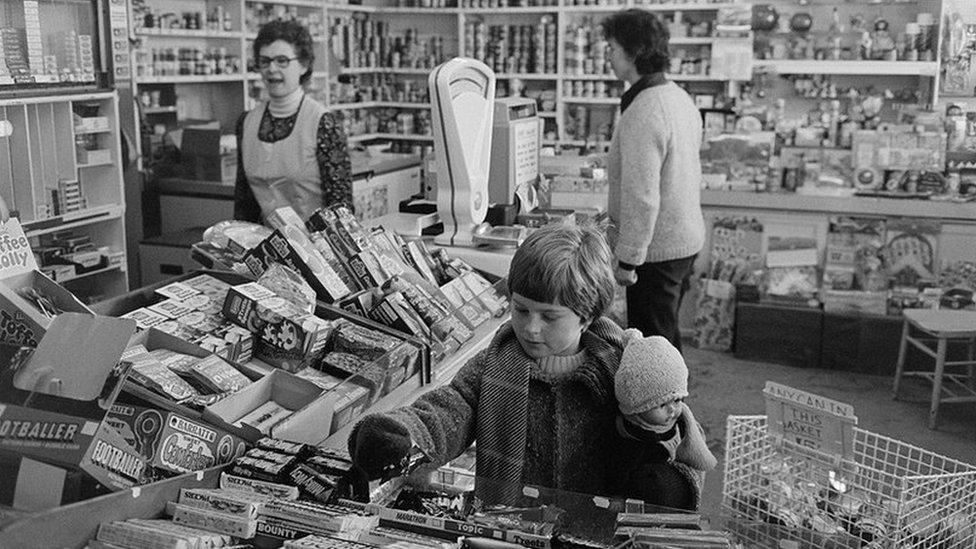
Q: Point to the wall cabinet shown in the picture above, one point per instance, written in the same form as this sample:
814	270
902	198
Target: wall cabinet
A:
60	171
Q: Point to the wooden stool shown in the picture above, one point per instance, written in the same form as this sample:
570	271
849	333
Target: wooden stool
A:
941	326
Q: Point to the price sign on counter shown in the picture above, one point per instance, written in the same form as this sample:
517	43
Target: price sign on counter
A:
810	421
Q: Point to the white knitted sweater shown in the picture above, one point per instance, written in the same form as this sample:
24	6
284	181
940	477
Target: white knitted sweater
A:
655	177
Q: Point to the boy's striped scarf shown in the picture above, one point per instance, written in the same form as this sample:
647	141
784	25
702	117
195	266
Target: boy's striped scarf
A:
503	406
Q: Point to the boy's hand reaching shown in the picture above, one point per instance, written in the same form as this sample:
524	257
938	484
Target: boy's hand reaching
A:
380	446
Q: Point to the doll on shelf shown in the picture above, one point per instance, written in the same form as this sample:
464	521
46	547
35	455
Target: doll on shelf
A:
883	46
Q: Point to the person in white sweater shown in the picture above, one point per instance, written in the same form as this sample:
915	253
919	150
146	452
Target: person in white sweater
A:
655	176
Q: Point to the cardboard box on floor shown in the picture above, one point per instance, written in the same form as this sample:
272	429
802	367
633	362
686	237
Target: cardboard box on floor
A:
312	409
22	323
53	402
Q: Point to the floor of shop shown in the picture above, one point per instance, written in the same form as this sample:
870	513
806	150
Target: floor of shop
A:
722	385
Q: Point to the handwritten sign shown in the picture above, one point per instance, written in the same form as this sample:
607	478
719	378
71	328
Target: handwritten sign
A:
810	421
16	256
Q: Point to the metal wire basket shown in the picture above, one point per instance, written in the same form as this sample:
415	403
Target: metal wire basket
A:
892	494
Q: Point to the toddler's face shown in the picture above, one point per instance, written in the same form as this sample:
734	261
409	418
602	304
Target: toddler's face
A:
546	329
662	416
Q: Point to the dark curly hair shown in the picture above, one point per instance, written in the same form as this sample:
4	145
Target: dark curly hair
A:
642	36
295	34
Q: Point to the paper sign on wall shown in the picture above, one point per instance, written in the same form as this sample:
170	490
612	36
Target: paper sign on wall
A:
810	421
16	256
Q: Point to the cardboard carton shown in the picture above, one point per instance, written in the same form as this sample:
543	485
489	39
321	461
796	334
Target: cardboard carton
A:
309	422
287	336
53	401
22	323
153	339
173	442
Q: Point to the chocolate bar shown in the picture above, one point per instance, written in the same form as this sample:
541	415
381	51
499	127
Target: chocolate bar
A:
323	542
273	489
361	341
217	374
145	318
312	483
264	417
154	375
342	364
128	534
171	308
322	517
177	291
231	502
329	464
258	469
204	538
274	457
225	523
177	362
284	447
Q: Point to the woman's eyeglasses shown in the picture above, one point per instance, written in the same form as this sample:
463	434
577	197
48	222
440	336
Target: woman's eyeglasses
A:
280	61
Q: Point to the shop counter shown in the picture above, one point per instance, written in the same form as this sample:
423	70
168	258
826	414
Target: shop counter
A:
964	212
71	526
379	183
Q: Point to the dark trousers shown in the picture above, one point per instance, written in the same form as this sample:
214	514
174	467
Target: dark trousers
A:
653	302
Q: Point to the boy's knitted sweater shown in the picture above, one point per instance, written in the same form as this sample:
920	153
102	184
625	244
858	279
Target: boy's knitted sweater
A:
655	177
529	431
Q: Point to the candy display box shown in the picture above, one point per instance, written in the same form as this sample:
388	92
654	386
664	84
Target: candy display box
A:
53	401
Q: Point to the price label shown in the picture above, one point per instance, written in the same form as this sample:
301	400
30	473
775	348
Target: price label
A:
810	421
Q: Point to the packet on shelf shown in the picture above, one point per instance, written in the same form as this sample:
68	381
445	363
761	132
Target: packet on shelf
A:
287	336
290	247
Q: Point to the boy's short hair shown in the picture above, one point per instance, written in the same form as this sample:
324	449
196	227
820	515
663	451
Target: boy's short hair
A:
571	266
642	36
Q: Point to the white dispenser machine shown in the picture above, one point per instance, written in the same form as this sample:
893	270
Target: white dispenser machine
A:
462	93
515	142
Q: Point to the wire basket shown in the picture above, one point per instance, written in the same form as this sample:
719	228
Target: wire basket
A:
892	494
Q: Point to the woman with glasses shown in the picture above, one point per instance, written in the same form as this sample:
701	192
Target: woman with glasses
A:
655	176
290	150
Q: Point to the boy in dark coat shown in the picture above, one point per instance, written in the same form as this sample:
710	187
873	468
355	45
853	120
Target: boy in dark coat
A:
539	400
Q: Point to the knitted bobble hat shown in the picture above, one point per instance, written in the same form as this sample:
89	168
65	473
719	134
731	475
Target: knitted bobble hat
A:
651	373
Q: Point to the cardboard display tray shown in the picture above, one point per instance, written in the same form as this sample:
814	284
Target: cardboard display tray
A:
144	296
77	523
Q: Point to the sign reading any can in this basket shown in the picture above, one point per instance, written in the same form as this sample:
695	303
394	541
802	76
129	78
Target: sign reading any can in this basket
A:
810	421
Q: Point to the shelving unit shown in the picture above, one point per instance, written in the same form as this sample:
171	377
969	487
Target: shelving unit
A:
853	67
371	115
41	173
167	98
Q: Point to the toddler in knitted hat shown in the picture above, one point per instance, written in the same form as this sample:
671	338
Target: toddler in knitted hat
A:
658	430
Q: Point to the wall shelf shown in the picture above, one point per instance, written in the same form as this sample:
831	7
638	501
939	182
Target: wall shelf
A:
89	274
74	220
593	100
526	76
859	68
789	202
190	79
188	33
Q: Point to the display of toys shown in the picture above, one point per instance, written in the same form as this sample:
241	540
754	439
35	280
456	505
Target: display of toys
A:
901	496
